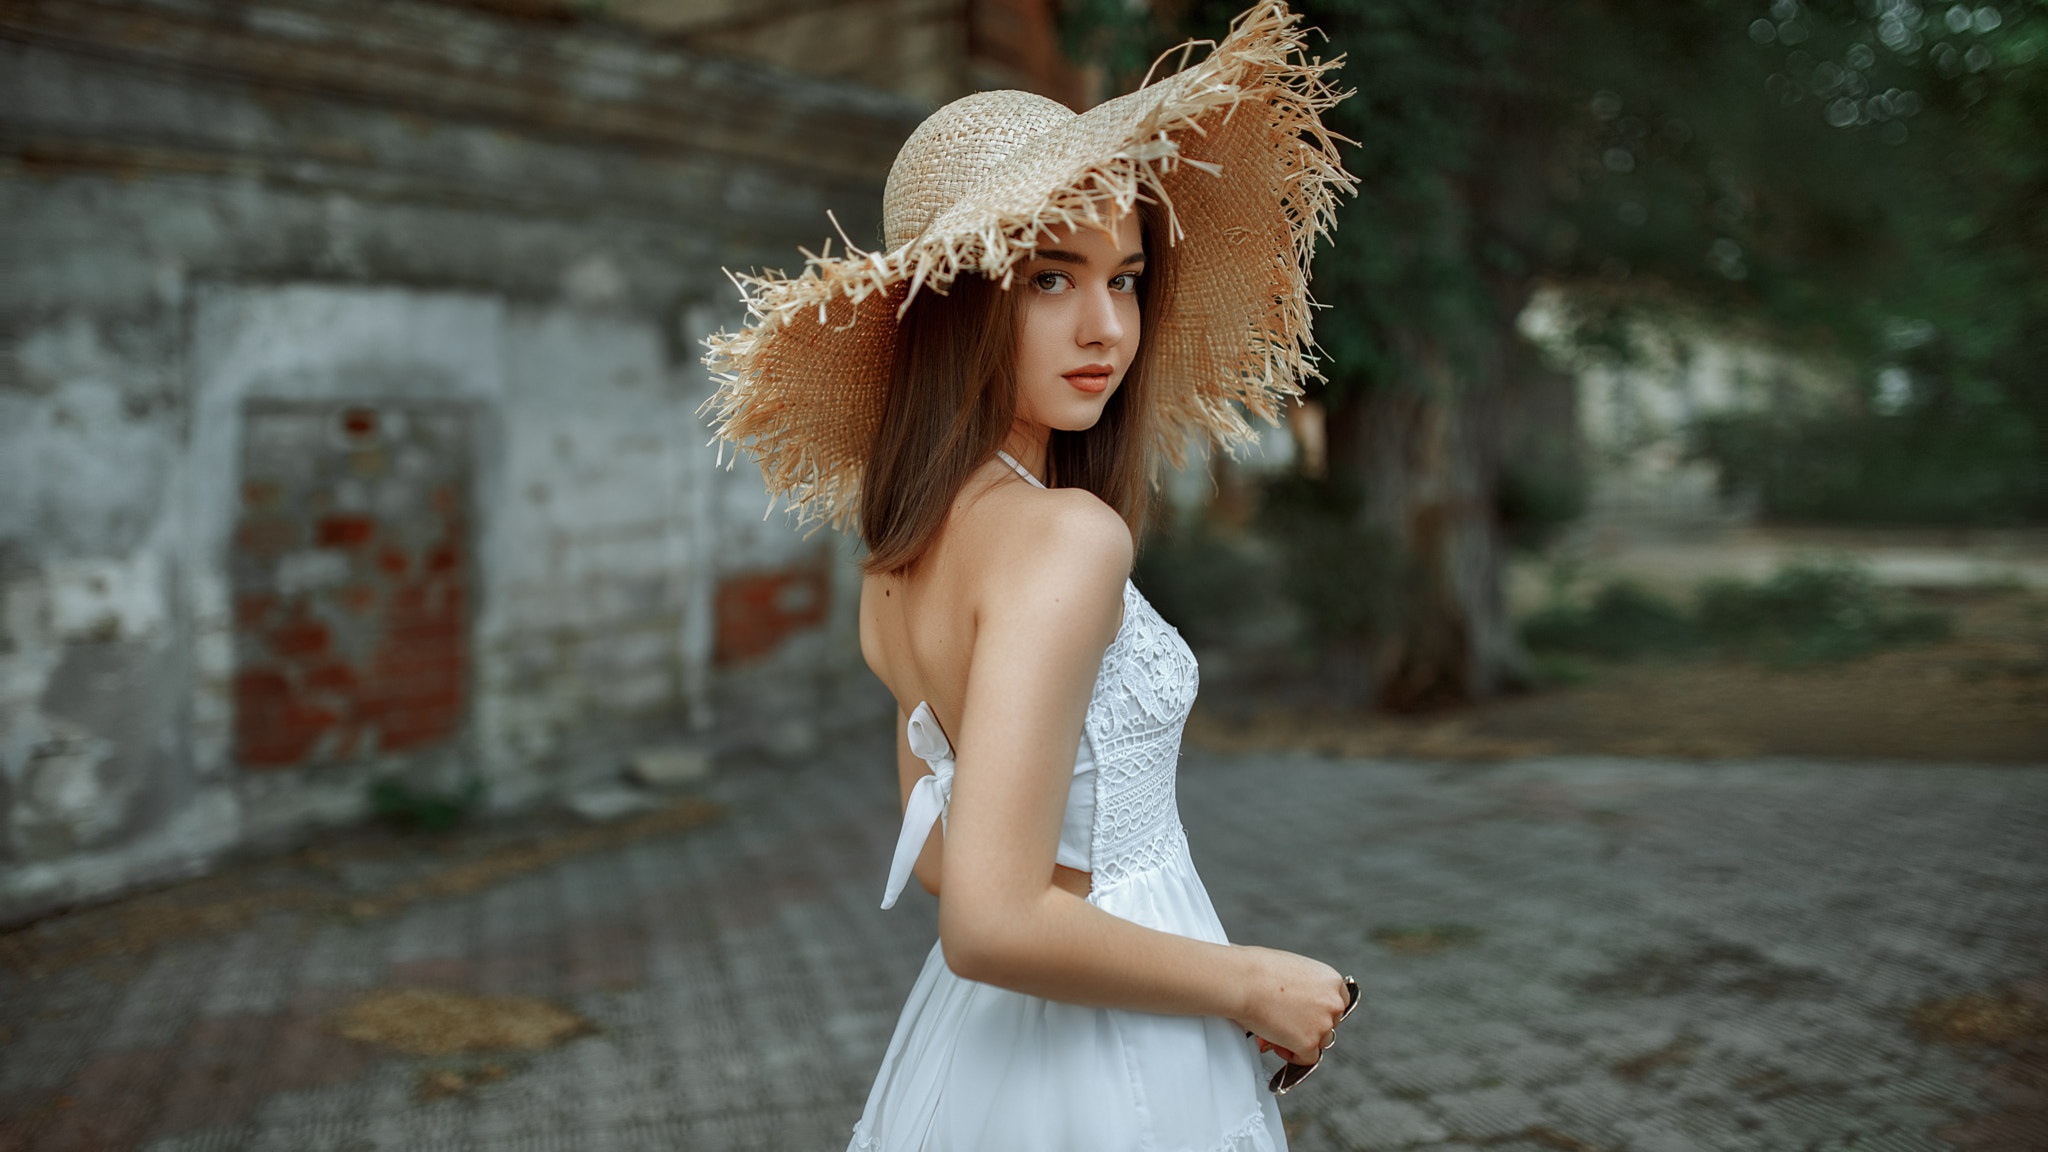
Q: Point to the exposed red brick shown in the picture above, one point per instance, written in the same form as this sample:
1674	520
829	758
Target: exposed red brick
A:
299	637
411	629
440	701
274	729
409	605
358	598
253	608
345	531
413	728
426	636
757	611
333	676
427	599
261	687
267	537
414	661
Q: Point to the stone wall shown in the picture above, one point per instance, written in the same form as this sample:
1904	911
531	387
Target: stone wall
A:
347	417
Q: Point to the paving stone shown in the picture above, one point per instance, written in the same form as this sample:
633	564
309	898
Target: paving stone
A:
1728	963
1379	1123
1489	1112
1438	1072
1657	1138
1595	1103
1535	1062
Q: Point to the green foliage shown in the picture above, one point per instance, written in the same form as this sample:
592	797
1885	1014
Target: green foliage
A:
1536	503
1201	581
1623	620
1547	669
1808	613
1344	580
424	809
1862	178
1882	469
1805	613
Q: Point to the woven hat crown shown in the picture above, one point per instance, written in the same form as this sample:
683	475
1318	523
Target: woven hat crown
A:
953	150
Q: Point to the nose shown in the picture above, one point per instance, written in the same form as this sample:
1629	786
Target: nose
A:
1100	324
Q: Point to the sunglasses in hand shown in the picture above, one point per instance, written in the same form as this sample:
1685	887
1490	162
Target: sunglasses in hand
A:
1291	1074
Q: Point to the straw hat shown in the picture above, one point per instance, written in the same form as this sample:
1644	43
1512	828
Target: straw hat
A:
1232	147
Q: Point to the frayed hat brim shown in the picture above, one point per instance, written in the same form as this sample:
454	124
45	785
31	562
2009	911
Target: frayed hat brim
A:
1232	147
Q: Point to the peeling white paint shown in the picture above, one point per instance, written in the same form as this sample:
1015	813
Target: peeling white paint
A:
62	794
105	599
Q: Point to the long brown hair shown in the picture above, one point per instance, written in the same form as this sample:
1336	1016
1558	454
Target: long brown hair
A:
953	396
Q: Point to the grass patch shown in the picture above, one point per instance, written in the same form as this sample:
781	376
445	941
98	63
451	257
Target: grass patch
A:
1806	613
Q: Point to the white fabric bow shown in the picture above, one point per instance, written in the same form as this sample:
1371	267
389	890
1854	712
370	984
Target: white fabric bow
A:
929	799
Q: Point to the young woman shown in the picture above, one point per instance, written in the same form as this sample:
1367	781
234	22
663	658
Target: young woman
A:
1064	301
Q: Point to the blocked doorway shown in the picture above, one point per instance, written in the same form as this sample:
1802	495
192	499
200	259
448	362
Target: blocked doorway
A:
351	574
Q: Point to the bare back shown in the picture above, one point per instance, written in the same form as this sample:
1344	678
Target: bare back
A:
919	629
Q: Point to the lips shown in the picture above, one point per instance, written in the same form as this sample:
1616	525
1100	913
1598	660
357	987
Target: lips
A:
1090	378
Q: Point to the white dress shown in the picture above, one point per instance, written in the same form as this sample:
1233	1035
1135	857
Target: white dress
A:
977	1068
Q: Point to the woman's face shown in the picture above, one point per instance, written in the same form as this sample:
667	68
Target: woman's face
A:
1077	322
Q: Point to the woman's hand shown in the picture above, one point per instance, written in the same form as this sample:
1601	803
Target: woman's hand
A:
1293	1003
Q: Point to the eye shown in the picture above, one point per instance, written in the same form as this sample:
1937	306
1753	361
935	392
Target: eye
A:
1126	282
1051	283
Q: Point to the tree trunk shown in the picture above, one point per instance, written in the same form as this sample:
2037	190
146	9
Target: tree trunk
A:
1427	458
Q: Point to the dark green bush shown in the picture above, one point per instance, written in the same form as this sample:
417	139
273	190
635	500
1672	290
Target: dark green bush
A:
1810	612
1536	504
1342	578
1623	620
424	809
1805	613
1202	583
1912	468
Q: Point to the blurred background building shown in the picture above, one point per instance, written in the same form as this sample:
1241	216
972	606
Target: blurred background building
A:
347	430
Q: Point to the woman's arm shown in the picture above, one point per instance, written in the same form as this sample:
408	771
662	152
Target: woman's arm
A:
1047	609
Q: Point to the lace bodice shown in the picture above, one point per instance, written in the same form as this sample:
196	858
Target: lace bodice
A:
1142	695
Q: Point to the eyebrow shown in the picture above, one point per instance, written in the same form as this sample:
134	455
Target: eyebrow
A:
1062	256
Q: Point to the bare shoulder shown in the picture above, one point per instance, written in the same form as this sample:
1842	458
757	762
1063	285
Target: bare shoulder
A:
1045	560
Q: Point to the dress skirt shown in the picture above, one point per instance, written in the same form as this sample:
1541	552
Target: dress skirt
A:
977	1068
